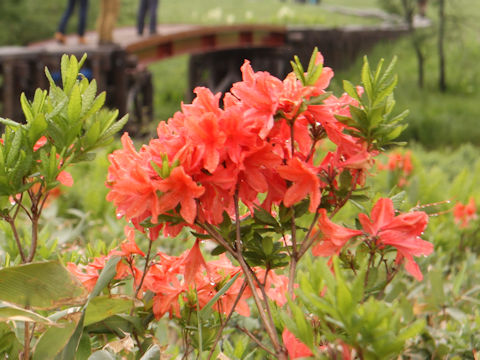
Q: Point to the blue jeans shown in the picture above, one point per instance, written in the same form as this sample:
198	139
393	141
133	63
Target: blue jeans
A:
149	6
82	16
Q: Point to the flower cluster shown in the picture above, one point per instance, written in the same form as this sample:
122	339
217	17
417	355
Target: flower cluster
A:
399	164
262	141
382	229
187	277
464	213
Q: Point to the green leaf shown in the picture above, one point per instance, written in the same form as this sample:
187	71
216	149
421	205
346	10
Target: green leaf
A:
50	79
298	69
410	331
399	117
88	96
10	312
97	104
37	128
9	344
103	307
52	341
311	63
107	274
9	122
459	279
92	135
64	63
395	132
70	74
38	101
388	72
303	329
398	199
14	149
101	355
52	169
436	282
344	296
360	117
58	108
206	309
26	108
84	348
44	285
74	109
264	217
386	91
218	250
318	100
82	61
153	353
350	90
366	78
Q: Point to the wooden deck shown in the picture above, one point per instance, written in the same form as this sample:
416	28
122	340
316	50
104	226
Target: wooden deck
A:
172	40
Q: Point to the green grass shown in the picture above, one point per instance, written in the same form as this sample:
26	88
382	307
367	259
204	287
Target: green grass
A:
245	11
170	85
436	119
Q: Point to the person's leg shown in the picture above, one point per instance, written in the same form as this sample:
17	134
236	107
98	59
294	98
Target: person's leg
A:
82	19
142	11
66	16
102	22
111	19
153	16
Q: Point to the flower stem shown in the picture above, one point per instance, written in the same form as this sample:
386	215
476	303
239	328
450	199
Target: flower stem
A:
11	222
263	308
219	334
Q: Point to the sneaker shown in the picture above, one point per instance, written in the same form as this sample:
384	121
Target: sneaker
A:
61	38
82	40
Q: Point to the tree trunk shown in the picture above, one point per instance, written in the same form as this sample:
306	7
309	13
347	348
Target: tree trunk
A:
409	11
442	82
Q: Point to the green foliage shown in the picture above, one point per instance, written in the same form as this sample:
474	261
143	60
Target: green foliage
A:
67	117
373	118
53	340
46	285
9	312
342	310
9	345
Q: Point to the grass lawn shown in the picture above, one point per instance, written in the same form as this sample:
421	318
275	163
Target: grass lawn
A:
247	11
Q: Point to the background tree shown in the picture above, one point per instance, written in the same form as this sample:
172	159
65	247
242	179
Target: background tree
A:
442	82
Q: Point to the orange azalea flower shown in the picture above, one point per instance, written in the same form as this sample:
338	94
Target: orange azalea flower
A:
463	214
65	178
401	164
276	286
295	348
254	170
179	188
305	181
205	136
402	232
88	276
193	262
324	79
132	183
239	134
259	92
334	237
